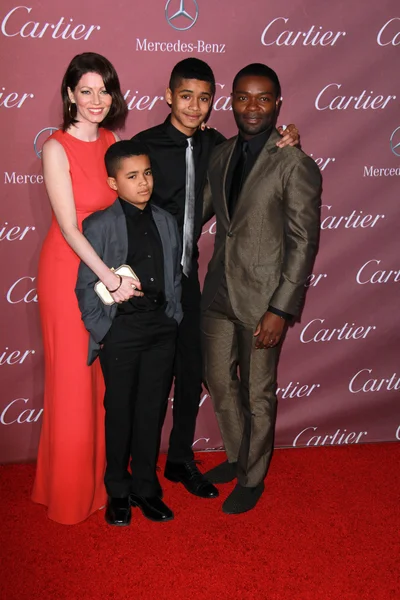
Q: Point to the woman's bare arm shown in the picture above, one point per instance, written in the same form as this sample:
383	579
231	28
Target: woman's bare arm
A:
59	189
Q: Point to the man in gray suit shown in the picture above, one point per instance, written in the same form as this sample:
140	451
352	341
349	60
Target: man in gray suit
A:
135	339
267	203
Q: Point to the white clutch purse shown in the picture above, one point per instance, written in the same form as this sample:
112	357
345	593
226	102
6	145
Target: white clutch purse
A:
103	292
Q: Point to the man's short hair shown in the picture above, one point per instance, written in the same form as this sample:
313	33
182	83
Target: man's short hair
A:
192	68
259	70
120	150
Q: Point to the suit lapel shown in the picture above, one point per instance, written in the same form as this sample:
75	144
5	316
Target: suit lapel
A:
162	227
256	173
121	232
225	160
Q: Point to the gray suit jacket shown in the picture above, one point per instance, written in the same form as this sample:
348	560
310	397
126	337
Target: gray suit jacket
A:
107	232
267	250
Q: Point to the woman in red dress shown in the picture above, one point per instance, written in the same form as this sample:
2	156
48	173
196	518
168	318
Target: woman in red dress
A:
71	457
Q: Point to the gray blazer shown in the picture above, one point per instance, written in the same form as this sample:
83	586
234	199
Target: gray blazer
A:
266	251
107	233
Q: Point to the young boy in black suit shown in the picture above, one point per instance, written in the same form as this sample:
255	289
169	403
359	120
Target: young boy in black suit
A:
134	339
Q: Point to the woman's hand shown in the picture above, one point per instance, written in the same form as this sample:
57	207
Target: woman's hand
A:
129	287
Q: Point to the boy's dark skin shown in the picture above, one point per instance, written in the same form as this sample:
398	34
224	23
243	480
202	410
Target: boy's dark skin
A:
190	102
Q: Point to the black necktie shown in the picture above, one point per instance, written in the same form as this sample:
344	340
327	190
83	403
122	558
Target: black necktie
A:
237	179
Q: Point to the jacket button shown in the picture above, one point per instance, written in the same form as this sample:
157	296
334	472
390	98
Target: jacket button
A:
229	234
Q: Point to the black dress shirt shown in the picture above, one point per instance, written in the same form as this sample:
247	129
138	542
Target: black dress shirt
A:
254	147
145	257
167	150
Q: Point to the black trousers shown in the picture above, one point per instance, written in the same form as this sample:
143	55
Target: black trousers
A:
137	362
187	371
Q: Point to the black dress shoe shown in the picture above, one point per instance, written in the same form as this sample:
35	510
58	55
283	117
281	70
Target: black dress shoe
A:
223	473
118	512
242	499
153	508
189	475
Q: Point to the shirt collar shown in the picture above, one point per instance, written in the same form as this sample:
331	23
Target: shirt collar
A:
133	211
256	143
177	136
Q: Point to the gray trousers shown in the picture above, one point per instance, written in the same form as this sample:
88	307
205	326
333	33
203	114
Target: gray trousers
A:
242	384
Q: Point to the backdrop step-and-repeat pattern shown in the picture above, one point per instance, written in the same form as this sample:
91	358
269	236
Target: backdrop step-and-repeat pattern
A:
339	374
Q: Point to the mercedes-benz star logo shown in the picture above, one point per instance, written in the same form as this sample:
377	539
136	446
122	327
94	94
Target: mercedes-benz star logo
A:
40	139
395	142
181	19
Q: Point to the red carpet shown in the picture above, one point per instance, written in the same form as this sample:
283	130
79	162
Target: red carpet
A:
326	528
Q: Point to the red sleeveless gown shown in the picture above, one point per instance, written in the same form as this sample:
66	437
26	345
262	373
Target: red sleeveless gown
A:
71	456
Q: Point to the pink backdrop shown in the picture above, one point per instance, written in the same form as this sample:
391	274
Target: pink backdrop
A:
339	374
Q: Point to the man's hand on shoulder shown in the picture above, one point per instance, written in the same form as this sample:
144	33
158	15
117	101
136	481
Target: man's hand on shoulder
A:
218	136
290	136
269	330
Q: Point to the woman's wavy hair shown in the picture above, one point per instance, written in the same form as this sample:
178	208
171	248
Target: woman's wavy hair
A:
90	62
